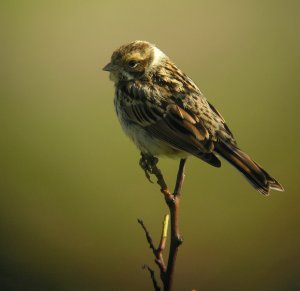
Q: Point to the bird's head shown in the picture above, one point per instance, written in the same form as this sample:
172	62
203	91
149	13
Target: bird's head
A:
133	61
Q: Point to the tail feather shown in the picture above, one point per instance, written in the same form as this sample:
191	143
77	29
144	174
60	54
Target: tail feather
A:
254	173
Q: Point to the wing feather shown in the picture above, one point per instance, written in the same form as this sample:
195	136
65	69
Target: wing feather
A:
228	131
172	124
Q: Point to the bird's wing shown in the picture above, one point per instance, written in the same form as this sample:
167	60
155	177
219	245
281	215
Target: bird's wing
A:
171	123
225	126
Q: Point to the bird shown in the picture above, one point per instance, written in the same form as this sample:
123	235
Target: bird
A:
165	114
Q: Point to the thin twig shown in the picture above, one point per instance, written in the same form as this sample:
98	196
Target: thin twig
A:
160	178
163	185
158	252
152	275
148	236
164	234
180	178
161	247
176	239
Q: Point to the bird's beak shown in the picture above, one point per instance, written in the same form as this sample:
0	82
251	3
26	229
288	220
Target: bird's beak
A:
110	67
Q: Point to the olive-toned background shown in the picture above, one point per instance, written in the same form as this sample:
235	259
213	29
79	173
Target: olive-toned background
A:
71	188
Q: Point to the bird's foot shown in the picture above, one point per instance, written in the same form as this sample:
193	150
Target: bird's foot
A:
147	163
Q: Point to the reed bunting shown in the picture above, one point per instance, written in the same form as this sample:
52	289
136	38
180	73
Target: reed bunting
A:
164	113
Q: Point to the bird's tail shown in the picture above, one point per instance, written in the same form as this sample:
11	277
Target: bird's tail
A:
257	176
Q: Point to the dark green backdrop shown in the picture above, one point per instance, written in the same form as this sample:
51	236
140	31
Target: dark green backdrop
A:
71	188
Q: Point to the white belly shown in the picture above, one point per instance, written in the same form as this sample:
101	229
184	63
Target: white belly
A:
144	141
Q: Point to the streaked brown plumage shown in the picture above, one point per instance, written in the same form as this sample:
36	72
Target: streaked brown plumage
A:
164	113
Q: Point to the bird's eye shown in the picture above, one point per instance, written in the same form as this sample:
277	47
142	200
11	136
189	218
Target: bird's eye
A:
132	64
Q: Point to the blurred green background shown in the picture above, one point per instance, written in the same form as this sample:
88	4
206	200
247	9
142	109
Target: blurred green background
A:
71	188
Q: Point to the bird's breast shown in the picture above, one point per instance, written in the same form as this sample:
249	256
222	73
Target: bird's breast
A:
144	141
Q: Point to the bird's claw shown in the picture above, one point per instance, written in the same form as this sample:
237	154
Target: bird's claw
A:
147	163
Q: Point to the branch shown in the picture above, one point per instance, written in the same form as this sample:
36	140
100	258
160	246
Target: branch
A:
164	233
152	275
148	236
180	178
158	252
176	239
172	200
